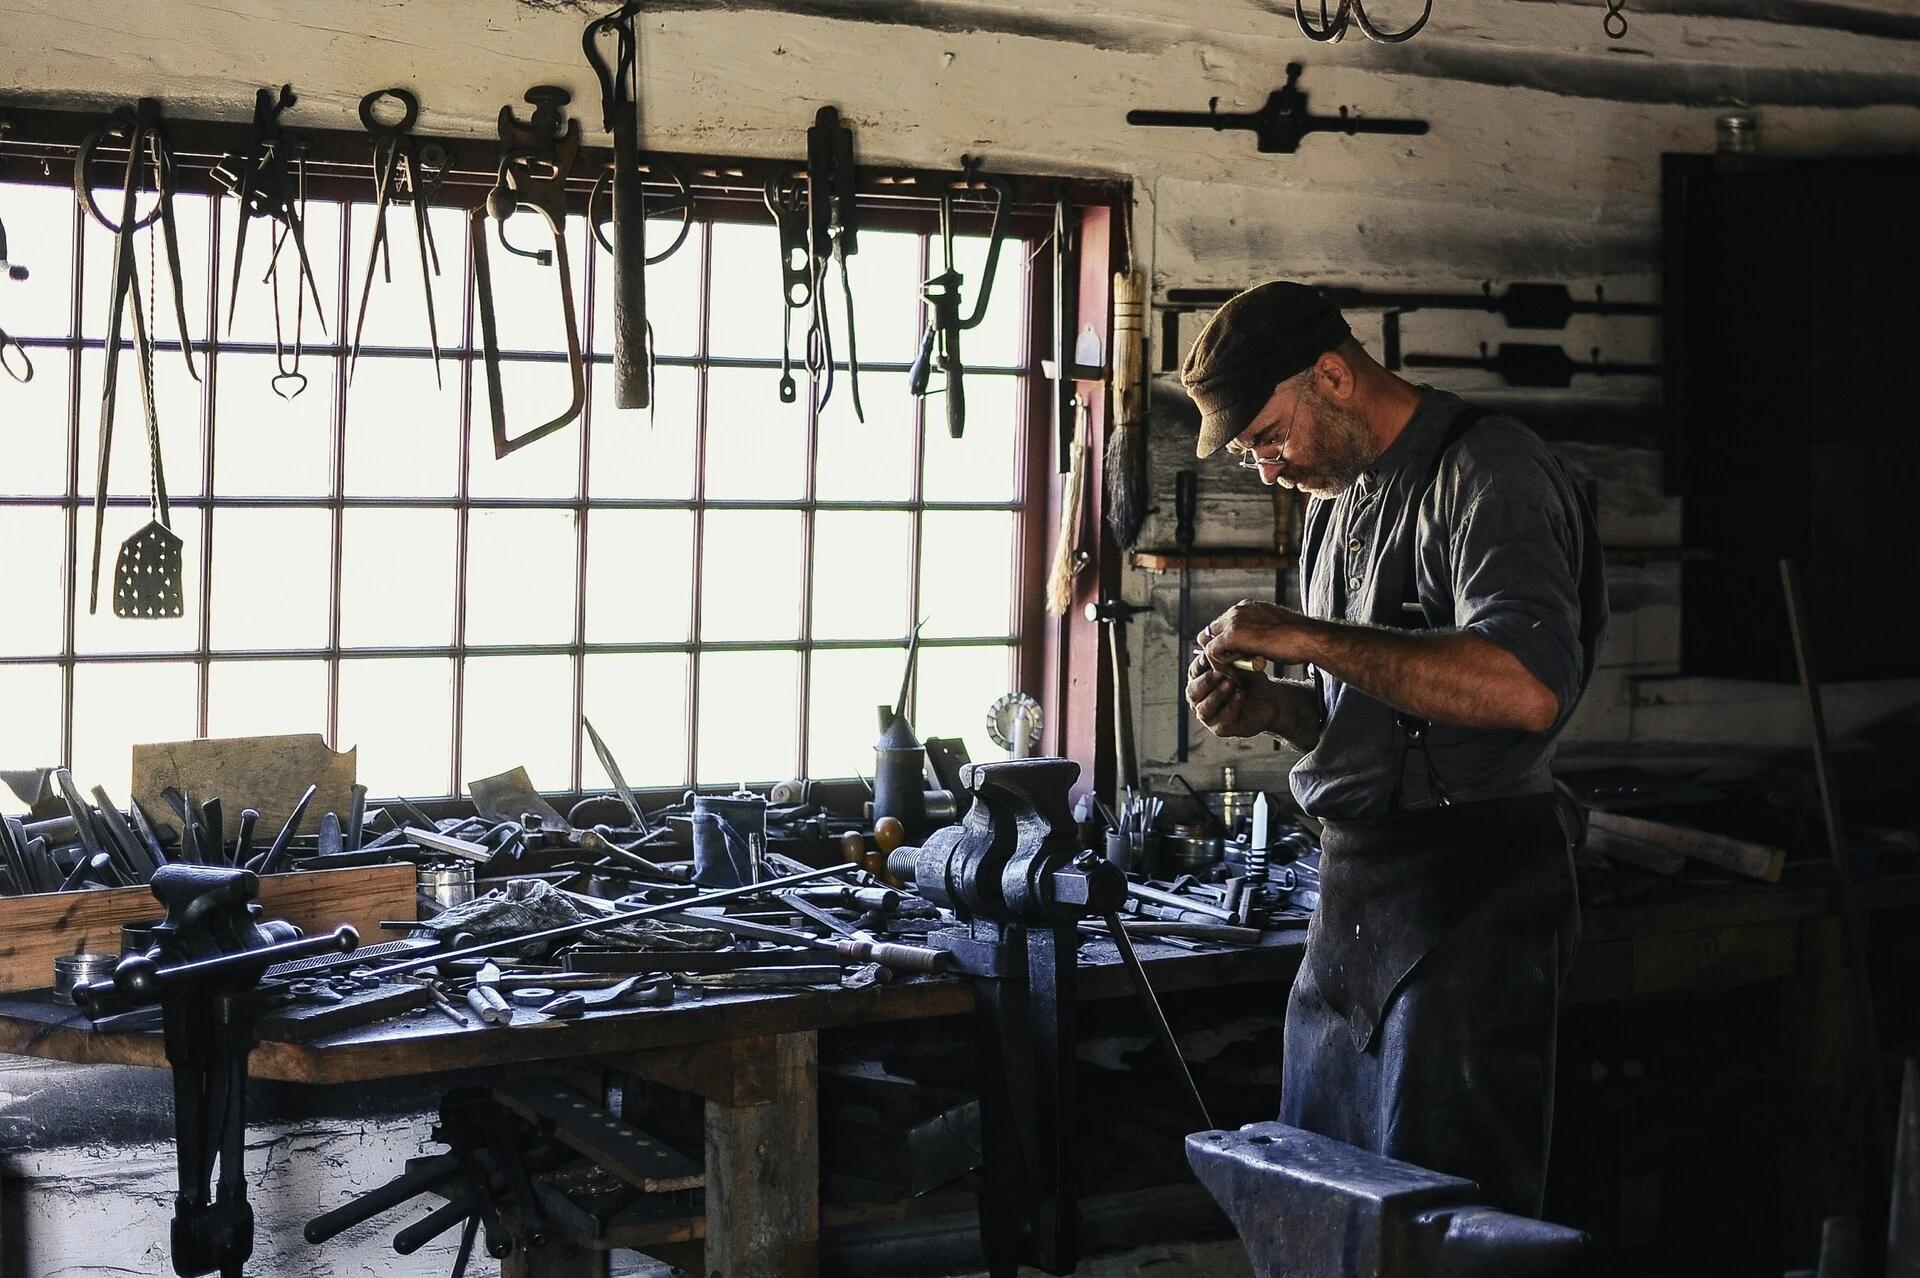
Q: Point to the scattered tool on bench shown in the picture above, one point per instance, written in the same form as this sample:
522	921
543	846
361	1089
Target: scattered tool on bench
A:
536	159
148	573
940	345
1282	123
403	168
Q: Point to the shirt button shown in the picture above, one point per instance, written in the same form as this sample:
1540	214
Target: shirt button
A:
1355	544
1353	583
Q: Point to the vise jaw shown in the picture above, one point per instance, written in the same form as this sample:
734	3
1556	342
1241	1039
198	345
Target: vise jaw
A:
1310	1206
1014	859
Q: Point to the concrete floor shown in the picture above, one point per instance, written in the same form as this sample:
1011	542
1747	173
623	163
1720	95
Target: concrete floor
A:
1188	1260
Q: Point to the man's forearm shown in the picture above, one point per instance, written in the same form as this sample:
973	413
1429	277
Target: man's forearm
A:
1454	678
1297	714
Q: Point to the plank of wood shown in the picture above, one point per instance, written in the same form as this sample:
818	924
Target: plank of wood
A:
34	929
1755	860
267	774
1638	853
586	1128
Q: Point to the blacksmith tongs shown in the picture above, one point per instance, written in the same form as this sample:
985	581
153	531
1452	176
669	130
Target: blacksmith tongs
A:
141	132
413	172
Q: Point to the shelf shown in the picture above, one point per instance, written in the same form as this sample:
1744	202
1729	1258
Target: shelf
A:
1201	560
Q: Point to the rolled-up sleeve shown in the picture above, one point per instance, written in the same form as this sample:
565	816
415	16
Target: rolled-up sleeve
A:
1516	575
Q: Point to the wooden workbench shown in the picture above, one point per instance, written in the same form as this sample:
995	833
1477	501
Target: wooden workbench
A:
751	1056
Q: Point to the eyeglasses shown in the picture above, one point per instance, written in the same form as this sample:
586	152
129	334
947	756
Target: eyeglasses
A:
1247	456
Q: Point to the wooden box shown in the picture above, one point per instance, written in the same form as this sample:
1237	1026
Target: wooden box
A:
33	929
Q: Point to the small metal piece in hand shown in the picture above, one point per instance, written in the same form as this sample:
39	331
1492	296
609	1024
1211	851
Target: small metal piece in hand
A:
1283	122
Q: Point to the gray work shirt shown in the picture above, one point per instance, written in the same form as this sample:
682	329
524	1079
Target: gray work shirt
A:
1504	548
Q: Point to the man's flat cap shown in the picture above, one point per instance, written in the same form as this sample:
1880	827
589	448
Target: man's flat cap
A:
1257	340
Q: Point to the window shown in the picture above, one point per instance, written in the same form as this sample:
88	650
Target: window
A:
725	589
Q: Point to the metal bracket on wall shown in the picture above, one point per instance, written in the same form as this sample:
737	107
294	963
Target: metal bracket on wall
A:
1280	125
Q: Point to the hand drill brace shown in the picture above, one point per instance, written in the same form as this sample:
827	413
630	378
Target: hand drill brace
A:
204	971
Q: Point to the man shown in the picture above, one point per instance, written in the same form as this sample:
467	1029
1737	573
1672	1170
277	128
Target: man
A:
1453	605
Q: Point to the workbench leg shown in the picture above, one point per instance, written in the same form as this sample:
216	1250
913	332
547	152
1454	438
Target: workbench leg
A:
558	1259
1826	1156
763	1171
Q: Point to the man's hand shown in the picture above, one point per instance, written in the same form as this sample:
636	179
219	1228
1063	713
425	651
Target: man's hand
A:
1254	629
1232	703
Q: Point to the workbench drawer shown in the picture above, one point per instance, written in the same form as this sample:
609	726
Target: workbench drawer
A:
1699	961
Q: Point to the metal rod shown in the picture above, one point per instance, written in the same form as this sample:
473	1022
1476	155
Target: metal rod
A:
610	920
1853	930
1138	974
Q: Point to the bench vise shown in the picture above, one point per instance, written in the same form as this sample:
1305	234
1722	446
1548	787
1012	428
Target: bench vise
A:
1017	883
204	971
1310	1206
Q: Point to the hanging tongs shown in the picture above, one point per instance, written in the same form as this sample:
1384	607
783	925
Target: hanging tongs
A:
13	356
148	575
265	178
940	346
536	159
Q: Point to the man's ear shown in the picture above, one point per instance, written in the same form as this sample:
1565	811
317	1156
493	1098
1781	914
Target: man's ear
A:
1335	376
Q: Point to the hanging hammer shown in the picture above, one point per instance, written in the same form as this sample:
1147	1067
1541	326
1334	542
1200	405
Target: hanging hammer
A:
1114	613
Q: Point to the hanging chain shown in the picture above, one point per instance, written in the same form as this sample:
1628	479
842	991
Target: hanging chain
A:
1615	23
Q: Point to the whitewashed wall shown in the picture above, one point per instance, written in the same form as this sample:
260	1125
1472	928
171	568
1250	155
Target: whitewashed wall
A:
1543	164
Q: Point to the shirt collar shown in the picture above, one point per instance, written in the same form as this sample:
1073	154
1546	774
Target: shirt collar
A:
1416	438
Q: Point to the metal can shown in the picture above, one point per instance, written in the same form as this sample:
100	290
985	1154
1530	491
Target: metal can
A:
70	970
445	886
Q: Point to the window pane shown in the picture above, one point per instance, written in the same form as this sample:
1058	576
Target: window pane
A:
190	216
36	423
860	574
31	695
756	445
749	703
1000	339
520	577
526	295
639	576
634	455
403	433
270	578
979	466
253	312
266	446
399	712
534	392
104	632
33	561
638	704
963	556
953	691
874	461
519	713
886	272
673	292
745	304
397	572
117	705
397	308
263	698
750	579
177	400
842	723
39	237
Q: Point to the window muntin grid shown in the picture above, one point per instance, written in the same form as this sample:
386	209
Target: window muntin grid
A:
358	562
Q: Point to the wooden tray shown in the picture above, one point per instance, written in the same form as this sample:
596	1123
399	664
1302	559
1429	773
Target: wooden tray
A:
34	929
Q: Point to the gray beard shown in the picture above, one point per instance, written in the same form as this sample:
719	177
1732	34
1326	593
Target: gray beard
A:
1349	450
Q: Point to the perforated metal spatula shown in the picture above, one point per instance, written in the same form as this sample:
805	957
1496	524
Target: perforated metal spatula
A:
147	576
